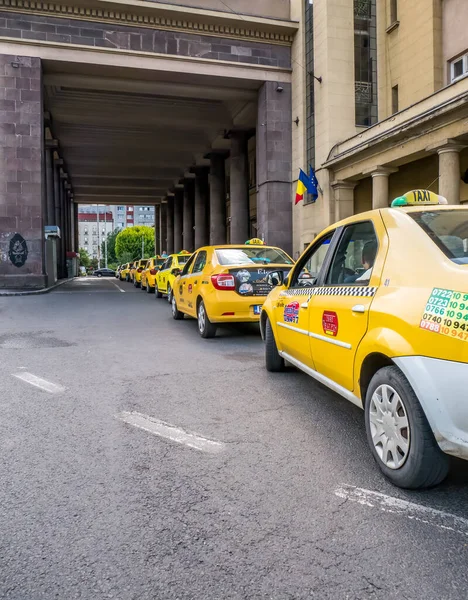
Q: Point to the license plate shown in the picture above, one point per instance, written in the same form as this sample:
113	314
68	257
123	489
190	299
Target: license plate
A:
257	309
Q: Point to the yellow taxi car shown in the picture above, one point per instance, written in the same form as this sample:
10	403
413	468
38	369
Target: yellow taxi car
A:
133	268
171	268
124	272
140	266
222	284
382	319
149	273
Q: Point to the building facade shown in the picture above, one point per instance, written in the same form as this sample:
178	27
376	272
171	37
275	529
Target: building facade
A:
93	231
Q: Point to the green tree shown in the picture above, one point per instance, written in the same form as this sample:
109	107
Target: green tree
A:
130	241
111	237
85	259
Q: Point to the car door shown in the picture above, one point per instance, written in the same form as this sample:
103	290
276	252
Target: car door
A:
194	281
339	308
163	275
184	296
292	308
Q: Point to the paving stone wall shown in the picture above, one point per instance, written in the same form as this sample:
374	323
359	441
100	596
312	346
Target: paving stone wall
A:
146	39
21	156
274	147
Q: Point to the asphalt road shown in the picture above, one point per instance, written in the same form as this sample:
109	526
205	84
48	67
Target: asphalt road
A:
281	501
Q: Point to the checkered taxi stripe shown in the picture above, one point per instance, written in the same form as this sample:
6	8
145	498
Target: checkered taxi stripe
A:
342	290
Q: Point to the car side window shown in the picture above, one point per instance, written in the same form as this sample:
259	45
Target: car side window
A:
188	264
200	262
355	255
168	263
309	266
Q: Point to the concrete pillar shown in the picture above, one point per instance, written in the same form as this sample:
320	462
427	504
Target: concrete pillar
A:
188	233
157	229
72	227
239	188
380	195
178	212
344	199
217	199
449	172
170	225
22	171
274	151
75	224
49	162
163	228
201	207
58	212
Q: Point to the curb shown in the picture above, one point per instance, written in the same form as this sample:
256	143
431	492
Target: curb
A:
37	292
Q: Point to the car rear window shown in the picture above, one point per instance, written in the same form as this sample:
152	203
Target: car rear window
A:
259	255
448	229
160	261
143	263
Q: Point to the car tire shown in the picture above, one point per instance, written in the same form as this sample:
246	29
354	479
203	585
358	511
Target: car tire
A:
99	275
273	361
412	459
149	289
176	314
169	294
206	328
135	283
157	293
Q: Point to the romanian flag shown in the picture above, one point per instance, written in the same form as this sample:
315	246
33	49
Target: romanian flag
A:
303	184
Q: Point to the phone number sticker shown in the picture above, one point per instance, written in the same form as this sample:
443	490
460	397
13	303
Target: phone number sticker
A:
446	312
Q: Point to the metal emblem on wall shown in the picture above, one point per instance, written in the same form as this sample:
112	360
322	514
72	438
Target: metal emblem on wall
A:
18	253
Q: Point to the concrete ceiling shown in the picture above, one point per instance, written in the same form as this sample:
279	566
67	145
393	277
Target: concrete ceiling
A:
128	140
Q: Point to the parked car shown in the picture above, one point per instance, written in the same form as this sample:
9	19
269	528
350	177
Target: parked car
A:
104	272
382	319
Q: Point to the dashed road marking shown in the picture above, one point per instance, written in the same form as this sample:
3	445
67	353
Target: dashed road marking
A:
410	510
171	432
43	384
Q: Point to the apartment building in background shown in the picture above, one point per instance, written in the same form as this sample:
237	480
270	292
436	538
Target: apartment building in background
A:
91	231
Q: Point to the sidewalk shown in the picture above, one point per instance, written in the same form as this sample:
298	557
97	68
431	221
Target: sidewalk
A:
34	292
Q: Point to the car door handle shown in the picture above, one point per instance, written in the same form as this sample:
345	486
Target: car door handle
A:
196	281
359	308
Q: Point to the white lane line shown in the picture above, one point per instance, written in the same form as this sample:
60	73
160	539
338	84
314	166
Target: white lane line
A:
410	510
118	287
43	384
170	432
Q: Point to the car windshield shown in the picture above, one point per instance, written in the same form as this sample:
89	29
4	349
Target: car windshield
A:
448	229
259	255
183	258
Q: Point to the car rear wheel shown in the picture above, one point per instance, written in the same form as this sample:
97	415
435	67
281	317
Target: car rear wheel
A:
99	274
149	289
176	314
273	361
399	435
206	328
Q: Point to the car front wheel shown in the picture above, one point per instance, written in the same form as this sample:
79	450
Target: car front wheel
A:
273	361
399	435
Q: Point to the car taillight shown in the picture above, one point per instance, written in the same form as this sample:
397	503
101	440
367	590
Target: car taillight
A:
153	271
139	270
223	282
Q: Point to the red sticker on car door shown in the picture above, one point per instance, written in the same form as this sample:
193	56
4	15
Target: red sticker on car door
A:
330	323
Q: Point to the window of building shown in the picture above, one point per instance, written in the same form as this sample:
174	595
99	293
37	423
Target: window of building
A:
393	11
459	67
395	102
120	208
86	240
365	62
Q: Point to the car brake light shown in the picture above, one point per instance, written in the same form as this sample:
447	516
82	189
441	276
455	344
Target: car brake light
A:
223	282
153	271
139	270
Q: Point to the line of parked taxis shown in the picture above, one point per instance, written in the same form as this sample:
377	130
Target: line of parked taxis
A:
376	308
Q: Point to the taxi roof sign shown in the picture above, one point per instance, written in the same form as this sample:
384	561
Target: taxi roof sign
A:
419	198
184	252
255	242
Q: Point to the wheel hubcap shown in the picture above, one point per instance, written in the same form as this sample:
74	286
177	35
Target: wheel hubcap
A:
174	306
389	426
201	317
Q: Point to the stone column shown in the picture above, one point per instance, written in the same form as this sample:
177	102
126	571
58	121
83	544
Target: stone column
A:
380	196
344	199
49	162
22	170
201	207
449	172
188	215
239	188
157	229
178	211
75	225
274	148
217	199
163	228
170	225
58	212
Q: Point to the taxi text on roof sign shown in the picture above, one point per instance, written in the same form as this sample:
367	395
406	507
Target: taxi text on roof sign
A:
255	242
419	198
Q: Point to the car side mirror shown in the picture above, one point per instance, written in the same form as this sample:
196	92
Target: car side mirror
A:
275	278
176	271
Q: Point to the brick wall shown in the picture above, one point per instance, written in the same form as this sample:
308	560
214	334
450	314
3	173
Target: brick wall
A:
21	156
146	39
